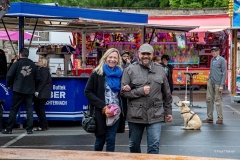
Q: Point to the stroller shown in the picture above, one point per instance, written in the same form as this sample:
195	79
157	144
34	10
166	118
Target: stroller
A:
1	113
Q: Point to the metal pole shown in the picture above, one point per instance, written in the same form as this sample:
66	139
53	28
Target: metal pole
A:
151	36
143	35
21	33
33	33
83	49
8	36
234	62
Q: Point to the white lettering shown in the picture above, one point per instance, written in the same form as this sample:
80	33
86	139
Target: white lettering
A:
5	89
59	87
62	94
85	107
56	94
56	103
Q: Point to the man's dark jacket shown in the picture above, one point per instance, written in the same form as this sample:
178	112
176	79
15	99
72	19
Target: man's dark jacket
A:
22	76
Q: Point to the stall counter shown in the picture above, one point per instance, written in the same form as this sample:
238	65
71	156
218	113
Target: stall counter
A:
66	103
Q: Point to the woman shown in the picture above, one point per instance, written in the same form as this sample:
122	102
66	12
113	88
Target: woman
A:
42	94
102	89
3	64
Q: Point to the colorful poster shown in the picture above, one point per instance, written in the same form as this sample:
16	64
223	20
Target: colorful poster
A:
236	13
179	78
238	84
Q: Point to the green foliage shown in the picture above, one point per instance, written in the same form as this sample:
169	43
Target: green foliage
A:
174	3
136	3
164	3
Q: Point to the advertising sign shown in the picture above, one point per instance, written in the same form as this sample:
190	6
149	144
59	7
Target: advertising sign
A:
238	84
179	78
236	14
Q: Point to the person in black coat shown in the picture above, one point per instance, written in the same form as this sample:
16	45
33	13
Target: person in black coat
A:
42	94
3	72
3	64
102	89
21	78
165	59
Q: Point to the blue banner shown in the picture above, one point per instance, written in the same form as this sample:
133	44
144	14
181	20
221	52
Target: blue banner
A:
236	14
66	103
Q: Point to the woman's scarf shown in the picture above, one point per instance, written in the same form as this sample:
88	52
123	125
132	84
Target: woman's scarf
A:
113	77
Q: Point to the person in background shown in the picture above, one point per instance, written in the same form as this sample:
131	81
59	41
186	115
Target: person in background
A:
132	57
13	61
215	83
168	70
126	61
3	73
42	93
102	90
145	101
21	77
125	58
157	59
3	64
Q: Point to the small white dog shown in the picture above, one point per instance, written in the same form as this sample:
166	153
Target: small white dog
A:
191	119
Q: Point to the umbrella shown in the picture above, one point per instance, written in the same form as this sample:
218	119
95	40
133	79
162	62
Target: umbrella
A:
14	35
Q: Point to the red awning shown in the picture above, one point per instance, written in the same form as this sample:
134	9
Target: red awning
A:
206	23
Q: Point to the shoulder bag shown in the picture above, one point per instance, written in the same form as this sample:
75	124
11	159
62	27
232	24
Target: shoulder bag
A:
89	122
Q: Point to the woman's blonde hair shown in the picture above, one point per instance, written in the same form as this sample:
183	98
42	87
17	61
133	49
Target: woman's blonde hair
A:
99	68
44	62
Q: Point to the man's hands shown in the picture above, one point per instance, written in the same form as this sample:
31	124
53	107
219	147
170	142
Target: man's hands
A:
168	118
220	89
146	90
126	88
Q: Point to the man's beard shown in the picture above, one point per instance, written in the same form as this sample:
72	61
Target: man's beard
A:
146	64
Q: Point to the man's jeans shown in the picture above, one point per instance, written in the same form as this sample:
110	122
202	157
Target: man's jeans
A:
17	100
109	137
153	137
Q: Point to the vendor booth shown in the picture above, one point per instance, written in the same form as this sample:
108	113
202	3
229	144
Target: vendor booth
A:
195	54
75	62
67	101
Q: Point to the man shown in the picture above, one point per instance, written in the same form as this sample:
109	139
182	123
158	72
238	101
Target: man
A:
145	100
168	70
125	58
215	84
21	78
125	63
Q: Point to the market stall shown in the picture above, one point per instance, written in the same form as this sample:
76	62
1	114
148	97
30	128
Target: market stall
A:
196	55
67	101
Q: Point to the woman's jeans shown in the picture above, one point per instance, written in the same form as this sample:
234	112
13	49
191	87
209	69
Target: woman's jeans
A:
153	137
109	137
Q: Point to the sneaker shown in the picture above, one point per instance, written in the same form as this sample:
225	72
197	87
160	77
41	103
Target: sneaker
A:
30	132
219	121
6	132
207	120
